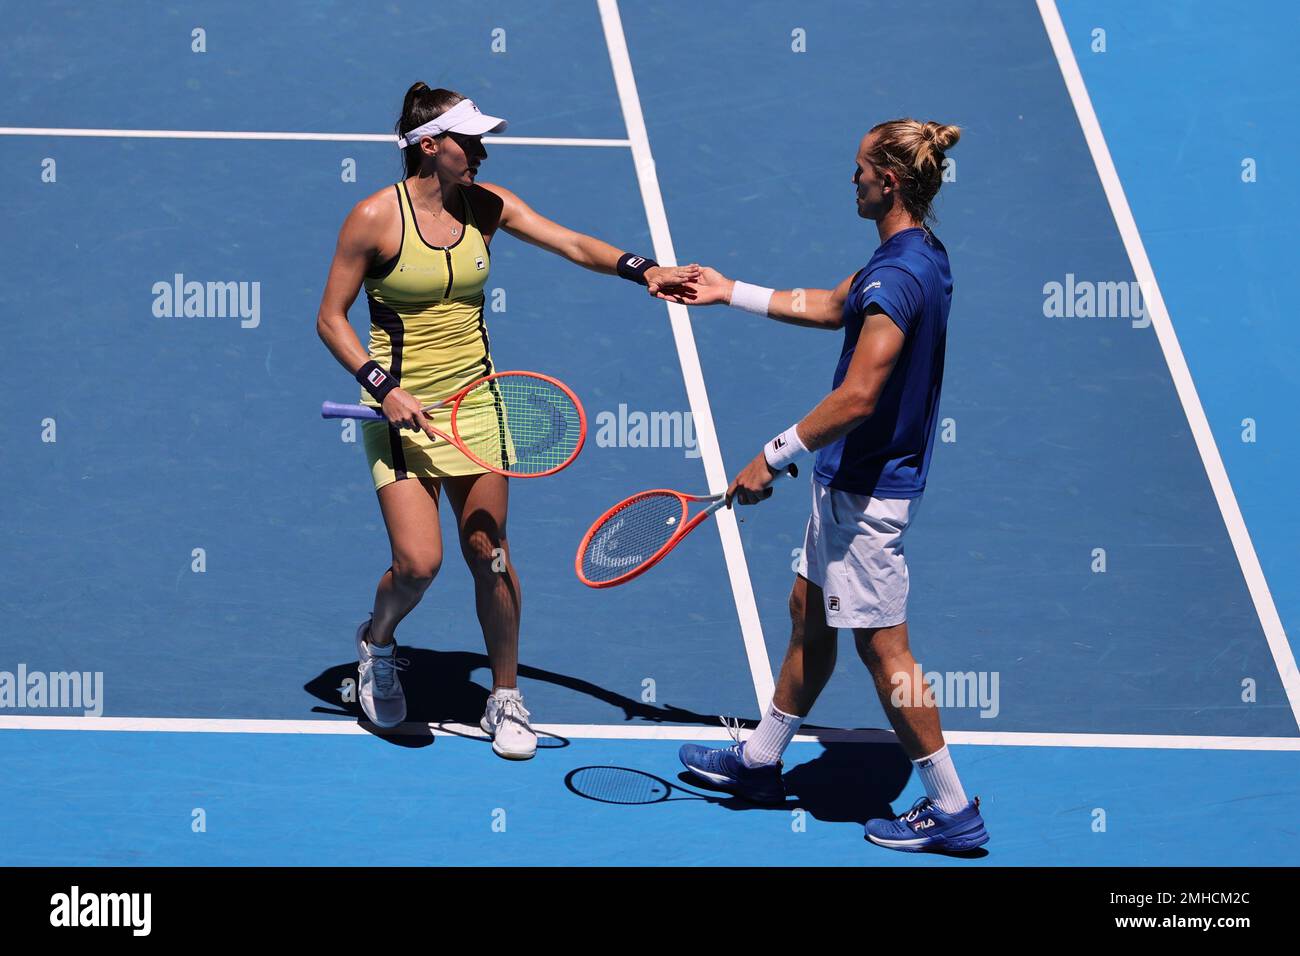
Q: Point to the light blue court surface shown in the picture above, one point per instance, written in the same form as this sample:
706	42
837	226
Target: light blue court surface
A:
227	799
1068	434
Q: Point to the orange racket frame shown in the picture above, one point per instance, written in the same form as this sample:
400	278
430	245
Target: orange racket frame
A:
684	527
367	413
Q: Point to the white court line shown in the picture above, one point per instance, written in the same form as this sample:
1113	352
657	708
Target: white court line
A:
1178	370
325	727
715	472
289	137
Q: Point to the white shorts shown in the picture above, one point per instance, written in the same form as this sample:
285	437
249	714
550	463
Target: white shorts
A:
853	551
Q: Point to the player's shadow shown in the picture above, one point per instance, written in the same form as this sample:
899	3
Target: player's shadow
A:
845	783
440	690
850	782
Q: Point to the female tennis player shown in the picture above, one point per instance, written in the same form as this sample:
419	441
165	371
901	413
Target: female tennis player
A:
874	435
421	248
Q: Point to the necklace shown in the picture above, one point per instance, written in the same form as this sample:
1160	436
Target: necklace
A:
454	228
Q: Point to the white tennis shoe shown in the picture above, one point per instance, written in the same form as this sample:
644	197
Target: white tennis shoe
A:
506	722
382	699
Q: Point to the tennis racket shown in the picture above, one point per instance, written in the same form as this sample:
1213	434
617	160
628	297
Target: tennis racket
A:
518	424
636	534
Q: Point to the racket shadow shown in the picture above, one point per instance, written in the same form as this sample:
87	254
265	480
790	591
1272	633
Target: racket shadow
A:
845	783
624	786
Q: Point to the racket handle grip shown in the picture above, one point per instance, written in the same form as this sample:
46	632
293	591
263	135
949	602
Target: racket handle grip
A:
337	410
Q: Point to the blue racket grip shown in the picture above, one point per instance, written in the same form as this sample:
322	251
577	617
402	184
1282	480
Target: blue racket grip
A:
363	412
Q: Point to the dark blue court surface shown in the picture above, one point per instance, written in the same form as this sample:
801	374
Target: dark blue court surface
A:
1106	544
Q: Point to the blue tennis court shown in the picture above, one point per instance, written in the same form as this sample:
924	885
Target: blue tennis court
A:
1104	571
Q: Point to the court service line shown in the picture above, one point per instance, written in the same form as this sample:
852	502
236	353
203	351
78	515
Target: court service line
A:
290	137
715	471
327	727
1283	658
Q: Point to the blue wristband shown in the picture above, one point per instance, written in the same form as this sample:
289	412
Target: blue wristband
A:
376	380
634	268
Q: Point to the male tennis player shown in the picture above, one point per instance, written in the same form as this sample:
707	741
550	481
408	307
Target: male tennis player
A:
873	434
421	249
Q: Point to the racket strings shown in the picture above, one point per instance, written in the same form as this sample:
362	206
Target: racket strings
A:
618	785
520	424
632	535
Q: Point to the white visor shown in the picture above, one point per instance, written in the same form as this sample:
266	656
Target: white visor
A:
464	118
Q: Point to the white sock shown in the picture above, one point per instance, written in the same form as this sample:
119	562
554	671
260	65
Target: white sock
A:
501	693
380	650
940	779
775	731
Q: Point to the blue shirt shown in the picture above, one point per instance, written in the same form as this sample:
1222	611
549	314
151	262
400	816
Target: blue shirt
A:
888	455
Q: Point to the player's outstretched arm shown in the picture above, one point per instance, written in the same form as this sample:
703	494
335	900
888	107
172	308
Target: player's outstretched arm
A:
811	308
523	222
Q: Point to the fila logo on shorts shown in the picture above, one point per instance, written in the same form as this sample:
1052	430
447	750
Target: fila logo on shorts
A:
833	603
377	377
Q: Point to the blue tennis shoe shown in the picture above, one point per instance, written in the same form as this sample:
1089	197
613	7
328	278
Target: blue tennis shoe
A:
724	768
926	827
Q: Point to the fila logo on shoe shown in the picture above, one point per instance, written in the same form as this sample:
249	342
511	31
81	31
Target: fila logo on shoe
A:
923	825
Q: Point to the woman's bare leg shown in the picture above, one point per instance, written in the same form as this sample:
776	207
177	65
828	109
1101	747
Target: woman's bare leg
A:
480	503
410	509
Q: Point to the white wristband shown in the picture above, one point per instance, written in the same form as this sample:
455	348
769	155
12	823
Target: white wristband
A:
784	449
751	298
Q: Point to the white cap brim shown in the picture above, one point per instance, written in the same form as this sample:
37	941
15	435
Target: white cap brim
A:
478	124
463	118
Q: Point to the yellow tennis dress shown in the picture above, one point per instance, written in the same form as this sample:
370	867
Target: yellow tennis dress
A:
427	329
